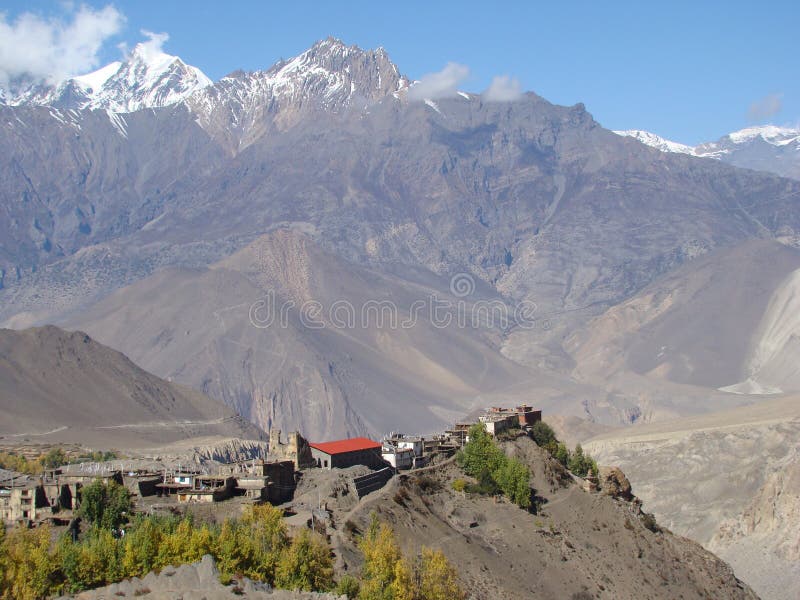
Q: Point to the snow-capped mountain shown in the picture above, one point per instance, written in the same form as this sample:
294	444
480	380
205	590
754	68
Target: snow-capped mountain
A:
764	148
656	141
147	78
328	76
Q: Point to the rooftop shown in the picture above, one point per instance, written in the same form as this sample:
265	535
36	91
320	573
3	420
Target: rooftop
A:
349	445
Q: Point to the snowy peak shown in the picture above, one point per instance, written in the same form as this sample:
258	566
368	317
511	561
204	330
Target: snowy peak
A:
777	136
752	137
330	68
330	77
147	78
651	139
764	148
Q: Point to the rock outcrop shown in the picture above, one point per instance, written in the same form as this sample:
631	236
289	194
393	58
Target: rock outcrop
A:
612	482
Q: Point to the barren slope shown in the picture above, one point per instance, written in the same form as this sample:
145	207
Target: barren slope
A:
62	386
581	545
345	371
725	480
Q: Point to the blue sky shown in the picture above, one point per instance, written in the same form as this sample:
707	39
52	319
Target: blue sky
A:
689	71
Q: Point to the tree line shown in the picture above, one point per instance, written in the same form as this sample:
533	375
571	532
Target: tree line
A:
257	545
577	461
52	459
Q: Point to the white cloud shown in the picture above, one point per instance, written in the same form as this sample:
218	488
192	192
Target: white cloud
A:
154	44
440	84
54	49
765	107
503	89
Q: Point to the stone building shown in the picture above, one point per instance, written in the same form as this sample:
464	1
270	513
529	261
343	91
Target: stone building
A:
296	449
347	453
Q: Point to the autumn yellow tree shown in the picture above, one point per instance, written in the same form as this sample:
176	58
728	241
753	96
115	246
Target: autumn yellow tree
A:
385	574
29	564
141	547
253	545
92	562
306	565
438	579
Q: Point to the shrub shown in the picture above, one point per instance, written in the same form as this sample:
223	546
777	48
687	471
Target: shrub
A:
348	586
649	521
426	483
459	485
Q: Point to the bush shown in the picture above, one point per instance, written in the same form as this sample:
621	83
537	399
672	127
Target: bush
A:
649	521
426	483
348	586
459	485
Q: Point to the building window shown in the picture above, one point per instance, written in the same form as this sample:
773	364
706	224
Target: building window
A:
326	464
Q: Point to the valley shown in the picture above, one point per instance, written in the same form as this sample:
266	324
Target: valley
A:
319	247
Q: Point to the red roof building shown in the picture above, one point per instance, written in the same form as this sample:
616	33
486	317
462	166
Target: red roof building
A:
346	453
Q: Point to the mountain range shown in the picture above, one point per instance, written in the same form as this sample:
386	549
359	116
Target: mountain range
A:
532	202
764	148
163	215
147	78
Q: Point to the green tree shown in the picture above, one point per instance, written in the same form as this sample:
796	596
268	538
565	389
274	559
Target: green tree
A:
480	453
543	434
54	458
306	565
577	462
562	454
514	480
105	505
495	472
580	463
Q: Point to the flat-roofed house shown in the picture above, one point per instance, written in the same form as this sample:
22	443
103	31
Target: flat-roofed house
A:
340	454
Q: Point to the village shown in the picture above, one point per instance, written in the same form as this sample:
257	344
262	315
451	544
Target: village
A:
158	486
